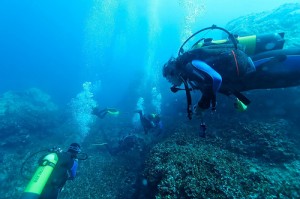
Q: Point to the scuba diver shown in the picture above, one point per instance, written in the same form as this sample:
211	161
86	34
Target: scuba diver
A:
126	144
103	112
231	67
54	170
150	121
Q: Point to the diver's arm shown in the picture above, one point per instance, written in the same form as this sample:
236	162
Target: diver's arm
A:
140	112
96	111
73	170
145	129
211	80
103	114
202	70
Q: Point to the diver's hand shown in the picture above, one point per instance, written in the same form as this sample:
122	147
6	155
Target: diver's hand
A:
174	89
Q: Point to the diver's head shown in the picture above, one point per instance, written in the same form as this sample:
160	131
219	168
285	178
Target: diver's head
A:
74	148
155	117
171	72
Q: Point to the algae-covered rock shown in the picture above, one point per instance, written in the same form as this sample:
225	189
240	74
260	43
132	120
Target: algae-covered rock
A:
24	113
285	18
264	140
185	166
196	170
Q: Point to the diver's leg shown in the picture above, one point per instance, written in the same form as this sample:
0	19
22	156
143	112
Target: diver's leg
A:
204	102
99	113
102	114
145	130
278	71
140	112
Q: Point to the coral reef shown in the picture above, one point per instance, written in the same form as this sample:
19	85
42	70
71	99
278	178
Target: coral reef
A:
104	175
184	166
23	114
266	141
286	19
12	185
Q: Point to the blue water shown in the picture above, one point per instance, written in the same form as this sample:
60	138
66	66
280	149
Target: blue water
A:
58	45
110	53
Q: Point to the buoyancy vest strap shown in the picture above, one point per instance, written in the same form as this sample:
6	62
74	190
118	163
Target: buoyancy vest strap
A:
48	163
188	98
236	63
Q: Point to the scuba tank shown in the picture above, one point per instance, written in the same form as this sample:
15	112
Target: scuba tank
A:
45	170
41	176
252	44
260	43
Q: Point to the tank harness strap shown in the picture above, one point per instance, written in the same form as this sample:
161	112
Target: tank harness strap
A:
188	98
236	63
47	163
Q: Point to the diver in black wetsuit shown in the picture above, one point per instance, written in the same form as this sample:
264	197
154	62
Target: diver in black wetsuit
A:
227	69
126	144
274	69
150	121
101	113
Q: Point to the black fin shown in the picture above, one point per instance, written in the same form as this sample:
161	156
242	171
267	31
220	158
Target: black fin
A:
242	97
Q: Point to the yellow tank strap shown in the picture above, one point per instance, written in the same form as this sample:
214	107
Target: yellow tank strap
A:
249	42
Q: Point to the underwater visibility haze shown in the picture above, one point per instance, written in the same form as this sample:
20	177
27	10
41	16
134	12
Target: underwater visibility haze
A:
91	72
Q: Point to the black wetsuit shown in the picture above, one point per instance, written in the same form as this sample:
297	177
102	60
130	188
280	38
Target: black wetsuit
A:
224	69
274	69
64	170
100	113
126	144
213	69
148	122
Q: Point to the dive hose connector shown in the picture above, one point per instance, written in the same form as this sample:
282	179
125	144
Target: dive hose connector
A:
55	149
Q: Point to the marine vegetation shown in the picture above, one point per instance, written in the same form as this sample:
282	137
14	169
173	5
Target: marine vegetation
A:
227	165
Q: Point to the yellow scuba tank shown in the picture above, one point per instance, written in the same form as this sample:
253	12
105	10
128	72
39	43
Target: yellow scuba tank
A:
40	177
252	44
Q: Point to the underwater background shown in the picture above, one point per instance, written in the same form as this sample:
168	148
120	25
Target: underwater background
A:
61	59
